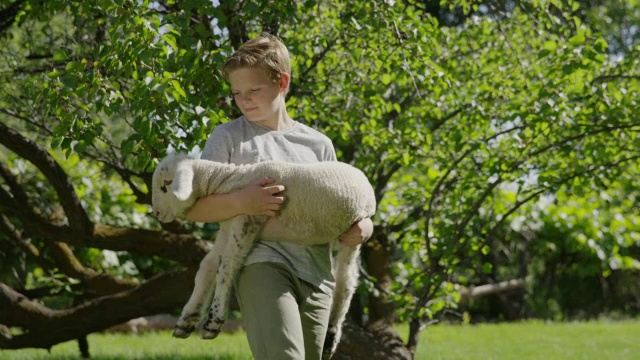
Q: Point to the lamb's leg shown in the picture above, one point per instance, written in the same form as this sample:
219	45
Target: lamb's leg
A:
242	234
203	287
346	275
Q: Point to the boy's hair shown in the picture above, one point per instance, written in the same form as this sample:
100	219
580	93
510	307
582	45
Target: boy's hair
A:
265	51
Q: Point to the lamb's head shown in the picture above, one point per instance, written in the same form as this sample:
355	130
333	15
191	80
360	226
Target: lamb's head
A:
172	187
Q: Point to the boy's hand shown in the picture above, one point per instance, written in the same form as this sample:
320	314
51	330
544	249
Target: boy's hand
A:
358	233
260	199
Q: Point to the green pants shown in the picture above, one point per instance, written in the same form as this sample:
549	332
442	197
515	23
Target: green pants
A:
284	317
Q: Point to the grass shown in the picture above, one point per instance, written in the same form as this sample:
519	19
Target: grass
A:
530	340
147	346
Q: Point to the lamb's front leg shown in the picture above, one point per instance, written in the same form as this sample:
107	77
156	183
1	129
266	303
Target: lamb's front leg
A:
243	231
203	288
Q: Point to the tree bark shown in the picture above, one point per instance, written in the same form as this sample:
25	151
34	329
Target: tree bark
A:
44	327
378	261
490	289
378	341
379	328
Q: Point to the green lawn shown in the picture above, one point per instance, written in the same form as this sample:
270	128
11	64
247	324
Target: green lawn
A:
148	346
531	340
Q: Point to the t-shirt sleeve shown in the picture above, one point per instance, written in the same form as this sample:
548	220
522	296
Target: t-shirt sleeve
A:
329	153
218	147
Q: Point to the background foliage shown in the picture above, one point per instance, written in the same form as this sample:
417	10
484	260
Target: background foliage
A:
500	136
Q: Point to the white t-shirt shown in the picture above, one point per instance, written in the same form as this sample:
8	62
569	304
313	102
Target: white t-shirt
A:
244	142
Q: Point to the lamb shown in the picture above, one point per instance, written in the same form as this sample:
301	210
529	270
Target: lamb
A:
323	201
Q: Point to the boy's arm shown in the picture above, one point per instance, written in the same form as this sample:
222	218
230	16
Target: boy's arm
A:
358	233
255	199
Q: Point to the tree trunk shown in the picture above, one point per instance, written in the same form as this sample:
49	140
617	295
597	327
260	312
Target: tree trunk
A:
377	341
377	257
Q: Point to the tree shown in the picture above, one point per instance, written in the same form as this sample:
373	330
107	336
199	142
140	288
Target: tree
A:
460	125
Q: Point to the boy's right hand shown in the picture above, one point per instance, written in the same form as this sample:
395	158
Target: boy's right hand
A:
260	199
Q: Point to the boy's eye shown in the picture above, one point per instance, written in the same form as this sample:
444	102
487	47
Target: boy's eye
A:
254	90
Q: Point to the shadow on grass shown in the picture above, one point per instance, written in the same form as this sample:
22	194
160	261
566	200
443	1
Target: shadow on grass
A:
162	357
8	354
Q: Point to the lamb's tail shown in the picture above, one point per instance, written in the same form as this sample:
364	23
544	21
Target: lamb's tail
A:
346	275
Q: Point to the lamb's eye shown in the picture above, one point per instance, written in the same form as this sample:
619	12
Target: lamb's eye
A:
164	187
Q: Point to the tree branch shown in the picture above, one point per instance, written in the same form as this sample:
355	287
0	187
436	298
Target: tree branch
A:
39	156
235	24
30	217
29	249
183	248
96	284
472	292
383	177
489	190
17	191
613	77
45	327
8	15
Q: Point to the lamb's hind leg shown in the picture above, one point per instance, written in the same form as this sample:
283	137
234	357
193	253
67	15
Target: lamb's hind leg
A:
242	234
203	288
346	275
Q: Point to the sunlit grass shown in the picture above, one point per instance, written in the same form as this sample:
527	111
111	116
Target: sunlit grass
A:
530	340
148	346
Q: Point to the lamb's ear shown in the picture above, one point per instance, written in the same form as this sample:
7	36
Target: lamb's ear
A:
182	185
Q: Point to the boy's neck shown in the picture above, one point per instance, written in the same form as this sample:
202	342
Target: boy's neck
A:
280	121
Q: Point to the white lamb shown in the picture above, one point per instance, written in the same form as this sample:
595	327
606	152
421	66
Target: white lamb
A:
323	200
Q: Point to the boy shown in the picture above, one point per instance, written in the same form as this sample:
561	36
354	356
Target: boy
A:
284	289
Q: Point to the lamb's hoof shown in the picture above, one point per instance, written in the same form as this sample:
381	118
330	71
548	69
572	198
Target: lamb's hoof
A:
326	354
182	333
209	334
330	344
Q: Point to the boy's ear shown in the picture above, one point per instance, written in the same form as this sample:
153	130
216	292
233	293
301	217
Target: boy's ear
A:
284	81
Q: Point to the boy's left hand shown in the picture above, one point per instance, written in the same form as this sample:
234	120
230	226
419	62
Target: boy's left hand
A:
358	233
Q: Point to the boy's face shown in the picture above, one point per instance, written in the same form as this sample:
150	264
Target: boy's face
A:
257	96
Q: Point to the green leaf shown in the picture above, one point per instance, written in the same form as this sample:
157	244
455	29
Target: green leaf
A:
176	85
56	141
145	128
171	40
127	146
577	40
83	106
60	55
80	147
75	66
551	46
600	45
